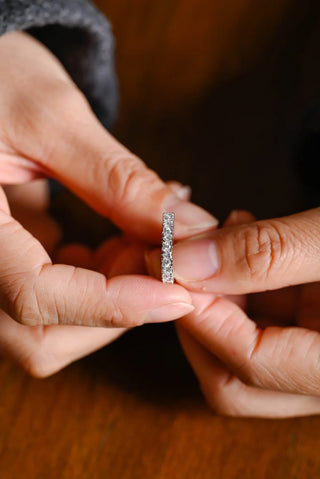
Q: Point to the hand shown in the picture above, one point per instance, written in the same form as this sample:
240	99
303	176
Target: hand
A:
43	350
48	129
268	367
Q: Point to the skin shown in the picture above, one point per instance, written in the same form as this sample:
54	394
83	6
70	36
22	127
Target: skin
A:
255	352
51	297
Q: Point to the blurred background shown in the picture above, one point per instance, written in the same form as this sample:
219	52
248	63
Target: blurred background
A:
213	92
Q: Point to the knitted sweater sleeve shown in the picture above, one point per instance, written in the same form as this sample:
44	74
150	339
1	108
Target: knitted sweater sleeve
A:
80	36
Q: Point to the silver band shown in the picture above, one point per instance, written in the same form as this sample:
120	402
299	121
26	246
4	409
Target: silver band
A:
166	251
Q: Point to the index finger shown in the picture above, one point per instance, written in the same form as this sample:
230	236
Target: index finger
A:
33	291
284	359
52	130
119	185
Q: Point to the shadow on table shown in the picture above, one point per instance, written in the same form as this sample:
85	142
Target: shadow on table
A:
147	361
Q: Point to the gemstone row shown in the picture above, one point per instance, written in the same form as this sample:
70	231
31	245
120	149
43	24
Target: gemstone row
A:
166	251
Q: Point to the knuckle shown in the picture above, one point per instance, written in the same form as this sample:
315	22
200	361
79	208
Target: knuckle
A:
230	408
57	105
250	375
116	317
39	365
22	308
32	305
120	315
265	249
66	101
225	403
25	112
25	307
42	356
126	178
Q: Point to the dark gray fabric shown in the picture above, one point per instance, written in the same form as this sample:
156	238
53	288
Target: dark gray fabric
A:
80	36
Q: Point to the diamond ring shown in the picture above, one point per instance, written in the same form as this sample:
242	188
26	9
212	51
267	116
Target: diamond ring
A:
166	250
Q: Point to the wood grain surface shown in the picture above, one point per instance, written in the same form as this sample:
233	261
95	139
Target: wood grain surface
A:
211	93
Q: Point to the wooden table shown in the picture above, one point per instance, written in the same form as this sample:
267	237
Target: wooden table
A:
133	409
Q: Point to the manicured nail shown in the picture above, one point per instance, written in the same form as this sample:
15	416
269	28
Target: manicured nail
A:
190	219
169	312
195	260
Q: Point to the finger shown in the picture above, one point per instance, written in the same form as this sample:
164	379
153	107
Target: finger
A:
227	395
43	350
36	292
120	186
53	131
182	191
255	257
284	359
239	217
152	257
268	307
66	141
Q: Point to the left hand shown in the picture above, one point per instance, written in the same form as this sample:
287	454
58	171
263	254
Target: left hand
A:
48	129
269	367
44	350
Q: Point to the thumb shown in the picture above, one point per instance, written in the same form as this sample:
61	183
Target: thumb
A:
119	185
33	291
47	127
259	256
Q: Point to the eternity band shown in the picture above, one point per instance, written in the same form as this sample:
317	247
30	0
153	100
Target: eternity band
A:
166	250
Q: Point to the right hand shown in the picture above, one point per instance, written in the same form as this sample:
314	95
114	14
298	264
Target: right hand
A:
48	129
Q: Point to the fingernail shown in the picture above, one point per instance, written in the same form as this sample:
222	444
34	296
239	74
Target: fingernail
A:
195	260
190	219
169	312
184	192
238	217
233	217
